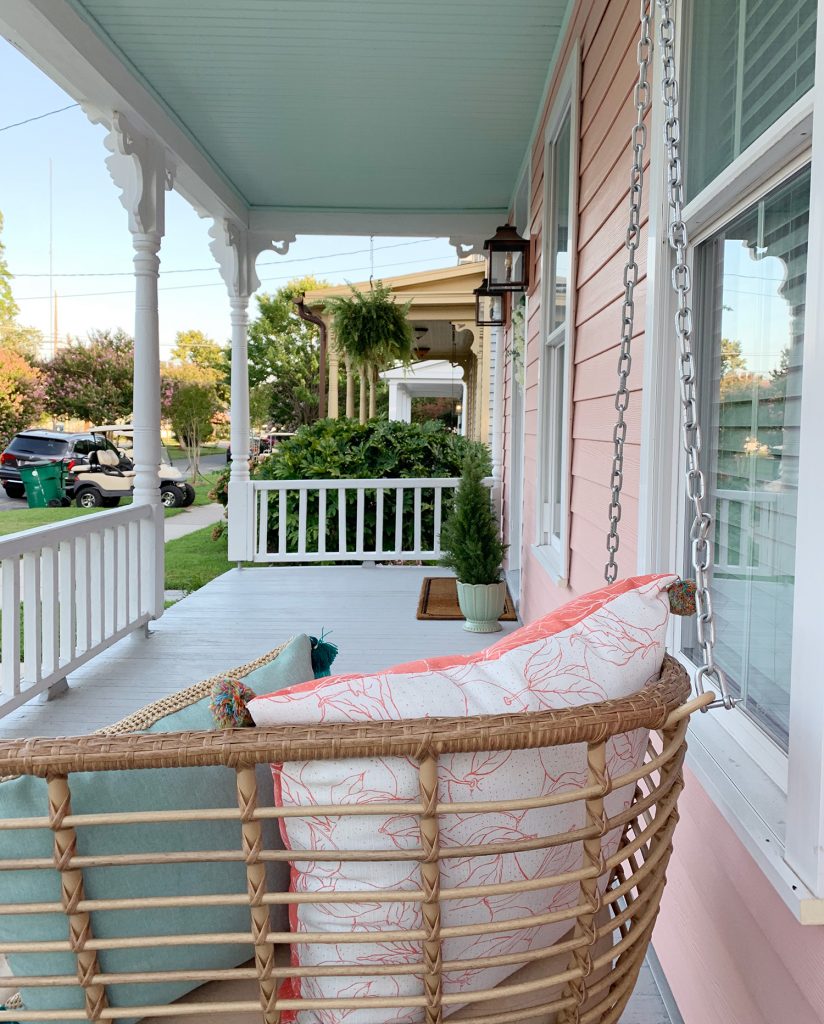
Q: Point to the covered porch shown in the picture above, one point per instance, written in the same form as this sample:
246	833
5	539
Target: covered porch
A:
369	612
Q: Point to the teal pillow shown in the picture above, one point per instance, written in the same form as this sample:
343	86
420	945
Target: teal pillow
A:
150	789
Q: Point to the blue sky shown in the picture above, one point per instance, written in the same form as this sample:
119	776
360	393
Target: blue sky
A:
90	235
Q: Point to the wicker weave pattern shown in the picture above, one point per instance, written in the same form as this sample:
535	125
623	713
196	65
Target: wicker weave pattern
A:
586	978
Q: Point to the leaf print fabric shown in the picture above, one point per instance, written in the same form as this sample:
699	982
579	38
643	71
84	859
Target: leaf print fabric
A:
604	645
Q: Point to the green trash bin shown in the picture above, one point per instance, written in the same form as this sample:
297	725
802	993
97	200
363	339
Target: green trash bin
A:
45	484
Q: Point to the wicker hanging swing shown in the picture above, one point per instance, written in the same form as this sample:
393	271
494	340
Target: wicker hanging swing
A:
585	977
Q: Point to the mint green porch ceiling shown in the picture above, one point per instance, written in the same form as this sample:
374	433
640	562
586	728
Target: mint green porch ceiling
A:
397	105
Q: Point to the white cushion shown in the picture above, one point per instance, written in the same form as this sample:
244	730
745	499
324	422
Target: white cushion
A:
604	645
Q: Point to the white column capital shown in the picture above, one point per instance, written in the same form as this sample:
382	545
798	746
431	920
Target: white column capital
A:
236	249
141	168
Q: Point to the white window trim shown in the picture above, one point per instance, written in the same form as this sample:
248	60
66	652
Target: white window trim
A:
555	558
775	804
517	425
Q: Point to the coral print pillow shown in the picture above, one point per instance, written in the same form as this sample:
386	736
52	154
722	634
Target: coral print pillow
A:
605	645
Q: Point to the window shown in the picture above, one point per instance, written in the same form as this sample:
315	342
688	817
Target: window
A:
32	444
751	285
557	263
755	192
750	60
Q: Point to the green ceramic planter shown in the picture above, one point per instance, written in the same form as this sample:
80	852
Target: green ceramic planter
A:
482	605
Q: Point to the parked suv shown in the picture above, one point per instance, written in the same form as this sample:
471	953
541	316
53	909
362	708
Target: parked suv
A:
51	446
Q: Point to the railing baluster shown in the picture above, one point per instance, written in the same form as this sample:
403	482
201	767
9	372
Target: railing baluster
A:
50	603
263	523
322	521
67	602
398	520
302	499
96	582
379	522
122	560
134	572
31	618
110	573
438	503
417	521
11	626
82	594
282	539
341	520
360	545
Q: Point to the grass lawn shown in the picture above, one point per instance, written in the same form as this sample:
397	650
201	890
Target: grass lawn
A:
195	560
24	518
178	454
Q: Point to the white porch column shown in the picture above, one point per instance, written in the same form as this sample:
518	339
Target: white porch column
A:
236	250
141	169
400	402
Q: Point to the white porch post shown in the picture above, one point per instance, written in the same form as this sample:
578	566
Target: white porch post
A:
236	250
140	168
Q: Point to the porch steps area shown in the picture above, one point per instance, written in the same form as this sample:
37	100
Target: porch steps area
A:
368	612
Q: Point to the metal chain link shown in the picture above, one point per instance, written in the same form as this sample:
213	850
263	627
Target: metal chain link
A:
709	673
636	191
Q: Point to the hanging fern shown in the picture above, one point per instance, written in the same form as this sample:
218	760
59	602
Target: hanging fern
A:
372	328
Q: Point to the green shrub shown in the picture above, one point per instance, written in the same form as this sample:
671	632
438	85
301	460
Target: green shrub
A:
380	449
470	537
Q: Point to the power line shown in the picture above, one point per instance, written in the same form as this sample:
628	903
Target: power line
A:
39	117
218	284
266	263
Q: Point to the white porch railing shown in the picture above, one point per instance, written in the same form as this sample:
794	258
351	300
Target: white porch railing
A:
348	520
71	590
751	533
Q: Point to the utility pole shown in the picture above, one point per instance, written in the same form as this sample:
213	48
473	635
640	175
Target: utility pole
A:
53	297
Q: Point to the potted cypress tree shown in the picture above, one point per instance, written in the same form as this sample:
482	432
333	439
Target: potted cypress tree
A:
473	550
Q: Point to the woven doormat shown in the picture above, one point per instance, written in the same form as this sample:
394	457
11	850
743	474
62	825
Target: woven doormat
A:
439	600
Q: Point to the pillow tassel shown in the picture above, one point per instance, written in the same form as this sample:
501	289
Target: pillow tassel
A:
323	655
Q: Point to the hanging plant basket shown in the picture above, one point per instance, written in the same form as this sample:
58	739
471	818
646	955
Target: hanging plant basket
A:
371	328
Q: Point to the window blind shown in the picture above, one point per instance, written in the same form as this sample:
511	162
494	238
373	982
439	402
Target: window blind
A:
750	60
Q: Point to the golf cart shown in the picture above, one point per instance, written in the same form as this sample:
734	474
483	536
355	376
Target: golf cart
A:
104	479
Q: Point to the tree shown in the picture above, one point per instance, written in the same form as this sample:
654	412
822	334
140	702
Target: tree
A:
732	361
21	395
176	375
191	410
284	351
92	380
196	348
8	307
25	341
260	404
470	538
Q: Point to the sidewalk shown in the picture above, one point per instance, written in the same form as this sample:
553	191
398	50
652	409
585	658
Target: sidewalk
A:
191	519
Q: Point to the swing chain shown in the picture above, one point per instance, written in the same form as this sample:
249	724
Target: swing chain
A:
633	238
709	673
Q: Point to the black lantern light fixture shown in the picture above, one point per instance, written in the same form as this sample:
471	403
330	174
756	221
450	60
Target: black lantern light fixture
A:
489	306
507	260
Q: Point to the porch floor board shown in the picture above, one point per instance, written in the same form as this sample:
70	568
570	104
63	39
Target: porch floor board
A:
370	613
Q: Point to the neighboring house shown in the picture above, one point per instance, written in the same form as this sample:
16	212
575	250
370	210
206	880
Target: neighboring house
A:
442	315
431	129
